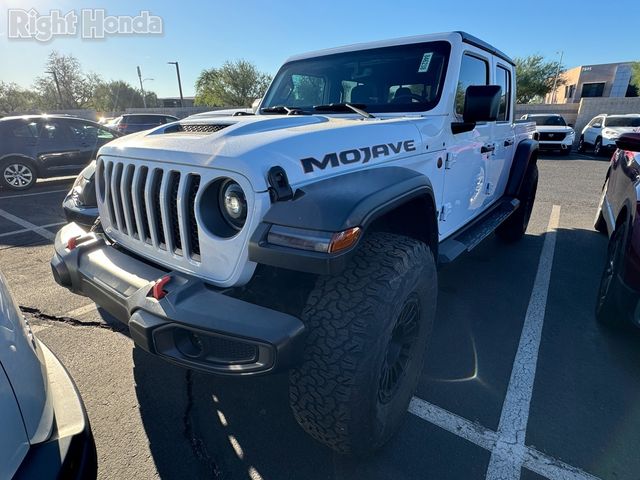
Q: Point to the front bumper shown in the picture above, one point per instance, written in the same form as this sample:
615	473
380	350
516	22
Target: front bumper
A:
70	452
194	325
565	144
82	215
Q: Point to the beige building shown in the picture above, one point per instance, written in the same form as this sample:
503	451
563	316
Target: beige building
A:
589	81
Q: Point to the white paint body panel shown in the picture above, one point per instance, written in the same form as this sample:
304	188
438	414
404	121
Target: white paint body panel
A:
249	146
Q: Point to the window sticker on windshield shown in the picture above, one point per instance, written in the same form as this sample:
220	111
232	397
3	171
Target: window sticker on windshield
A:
424	64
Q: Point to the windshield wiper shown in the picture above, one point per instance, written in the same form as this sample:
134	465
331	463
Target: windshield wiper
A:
344	107
283	109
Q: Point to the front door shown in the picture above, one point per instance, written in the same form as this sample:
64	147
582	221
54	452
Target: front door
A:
57	148
469	156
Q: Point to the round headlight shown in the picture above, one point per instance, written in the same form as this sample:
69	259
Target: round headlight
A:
233	204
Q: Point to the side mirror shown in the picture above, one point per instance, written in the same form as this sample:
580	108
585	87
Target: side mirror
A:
629	141
481	103
596	125
256	104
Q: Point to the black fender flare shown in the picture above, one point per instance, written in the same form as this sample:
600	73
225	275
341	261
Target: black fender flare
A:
334	204
526	154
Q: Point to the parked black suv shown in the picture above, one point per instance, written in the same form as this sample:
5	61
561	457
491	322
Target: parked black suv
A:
40	146
137	122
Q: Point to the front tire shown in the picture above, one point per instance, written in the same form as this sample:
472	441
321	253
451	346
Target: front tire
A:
17	174
581	145
368	330
607	310
514	227
597	147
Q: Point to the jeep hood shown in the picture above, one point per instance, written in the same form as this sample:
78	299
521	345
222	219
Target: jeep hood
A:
251	145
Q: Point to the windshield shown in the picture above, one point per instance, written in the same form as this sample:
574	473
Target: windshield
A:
623	121
390	79
549	120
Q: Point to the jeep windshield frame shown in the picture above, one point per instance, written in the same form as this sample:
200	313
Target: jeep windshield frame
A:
394	79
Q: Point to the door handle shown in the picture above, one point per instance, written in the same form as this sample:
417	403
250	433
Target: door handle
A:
508	142
487	148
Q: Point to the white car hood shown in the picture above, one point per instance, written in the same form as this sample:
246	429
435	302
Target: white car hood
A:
622	130
251	145
554	128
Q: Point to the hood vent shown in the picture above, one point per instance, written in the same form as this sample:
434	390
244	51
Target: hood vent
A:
195	128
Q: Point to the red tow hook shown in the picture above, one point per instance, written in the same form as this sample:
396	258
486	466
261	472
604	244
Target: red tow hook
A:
157	291
73	242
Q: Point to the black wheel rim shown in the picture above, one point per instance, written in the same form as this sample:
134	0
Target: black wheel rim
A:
609	270
399	349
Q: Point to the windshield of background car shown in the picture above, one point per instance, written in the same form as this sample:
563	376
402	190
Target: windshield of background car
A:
551	120
389	79
623	122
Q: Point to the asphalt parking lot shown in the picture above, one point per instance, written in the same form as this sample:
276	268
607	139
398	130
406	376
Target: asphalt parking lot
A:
518	380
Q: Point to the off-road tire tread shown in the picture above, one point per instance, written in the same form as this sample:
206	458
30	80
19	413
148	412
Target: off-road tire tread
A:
325	382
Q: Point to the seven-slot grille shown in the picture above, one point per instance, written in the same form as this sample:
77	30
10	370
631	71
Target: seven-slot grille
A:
152	205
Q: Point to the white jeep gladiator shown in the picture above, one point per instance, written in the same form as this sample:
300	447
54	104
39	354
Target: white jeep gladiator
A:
307	237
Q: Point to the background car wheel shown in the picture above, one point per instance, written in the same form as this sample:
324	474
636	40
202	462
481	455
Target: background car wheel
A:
368	329
581	145
607	310
597	147
514	228
17	175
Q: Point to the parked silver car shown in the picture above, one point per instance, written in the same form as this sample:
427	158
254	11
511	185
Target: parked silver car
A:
45	429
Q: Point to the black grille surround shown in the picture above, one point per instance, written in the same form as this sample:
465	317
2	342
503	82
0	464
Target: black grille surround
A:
552	136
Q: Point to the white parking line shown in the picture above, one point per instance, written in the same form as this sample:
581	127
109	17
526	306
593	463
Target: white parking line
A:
28	225
20	195
508	450
23	230
534	460
508	455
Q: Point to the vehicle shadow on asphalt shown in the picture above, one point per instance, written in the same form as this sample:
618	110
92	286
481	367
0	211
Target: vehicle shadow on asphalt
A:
243	427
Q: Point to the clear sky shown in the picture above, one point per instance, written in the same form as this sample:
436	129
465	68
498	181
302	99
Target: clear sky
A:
204	34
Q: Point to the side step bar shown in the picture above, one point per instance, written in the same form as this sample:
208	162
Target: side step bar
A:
469	237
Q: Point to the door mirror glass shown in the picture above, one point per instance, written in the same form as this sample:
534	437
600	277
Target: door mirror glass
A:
482	103
597	125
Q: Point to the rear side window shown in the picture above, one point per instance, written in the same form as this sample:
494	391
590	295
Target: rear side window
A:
473	71
503	79
170	119
52	130
25	130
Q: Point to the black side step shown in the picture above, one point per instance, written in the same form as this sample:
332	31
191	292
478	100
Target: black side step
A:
469	237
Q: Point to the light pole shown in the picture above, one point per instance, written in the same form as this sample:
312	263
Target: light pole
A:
55	79
144	97
555	80
179	82
144	100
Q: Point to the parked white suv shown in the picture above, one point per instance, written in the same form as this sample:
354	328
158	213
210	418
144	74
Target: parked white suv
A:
602	131
553	132
44	429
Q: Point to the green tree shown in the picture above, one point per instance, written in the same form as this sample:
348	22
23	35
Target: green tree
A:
118	95
16	99
235	84
76	88
535	77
